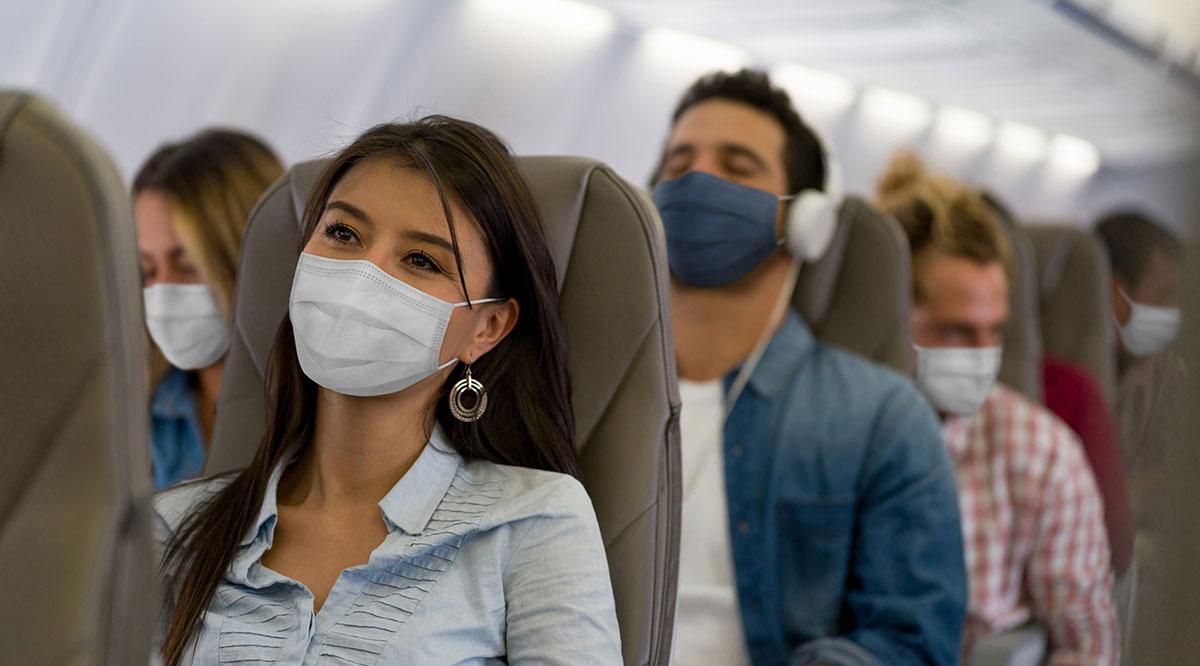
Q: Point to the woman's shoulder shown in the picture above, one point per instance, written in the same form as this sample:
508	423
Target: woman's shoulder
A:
175	503
523	493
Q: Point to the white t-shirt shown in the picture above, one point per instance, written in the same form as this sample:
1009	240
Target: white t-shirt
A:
708	627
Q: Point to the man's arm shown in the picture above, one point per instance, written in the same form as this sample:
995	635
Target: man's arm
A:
906	591
1068	575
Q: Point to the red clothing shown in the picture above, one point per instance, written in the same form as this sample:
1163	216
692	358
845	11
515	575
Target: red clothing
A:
1072	394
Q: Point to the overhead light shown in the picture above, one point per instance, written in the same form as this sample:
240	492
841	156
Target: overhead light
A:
900	111
702	52
964	128
833	94
573	19
1022	142
1074	155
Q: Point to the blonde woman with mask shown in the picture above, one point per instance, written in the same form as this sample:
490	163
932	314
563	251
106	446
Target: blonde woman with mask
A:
191	200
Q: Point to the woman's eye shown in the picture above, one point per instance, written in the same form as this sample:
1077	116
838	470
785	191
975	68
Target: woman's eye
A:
340	233
422	262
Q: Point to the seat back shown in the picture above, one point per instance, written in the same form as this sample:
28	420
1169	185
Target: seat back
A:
859	295
1074	304
1021	362
75	549
608	249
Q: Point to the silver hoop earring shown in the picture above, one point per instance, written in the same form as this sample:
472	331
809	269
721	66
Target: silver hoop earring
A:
468	413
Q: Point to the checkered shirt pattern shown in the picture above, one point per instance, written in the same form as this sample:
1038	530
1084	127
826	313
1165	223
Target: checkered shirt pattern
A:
1033	530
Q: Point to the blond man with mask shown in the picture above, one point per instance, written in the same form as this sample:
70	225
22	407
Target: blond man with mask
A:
819	517
1033	521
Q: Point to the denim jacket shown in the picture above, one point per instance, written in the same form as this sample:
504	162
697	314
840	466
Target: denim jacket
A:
843	513
176	443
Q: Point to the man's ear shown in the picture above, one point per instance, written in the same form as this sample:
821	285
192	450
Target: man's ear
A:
496	321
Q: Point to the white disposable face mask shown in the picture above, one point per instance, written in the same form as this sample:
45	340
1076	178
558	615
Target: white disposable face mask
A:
186	324
362	332
1149	329
957	380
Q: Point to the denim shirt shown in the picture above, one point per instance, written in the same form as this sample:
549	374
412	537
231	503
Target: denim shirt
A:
176	443
843	513
482	563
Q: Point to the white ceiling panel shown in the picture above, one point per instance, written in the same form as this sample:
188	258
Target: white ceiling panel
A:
1028	61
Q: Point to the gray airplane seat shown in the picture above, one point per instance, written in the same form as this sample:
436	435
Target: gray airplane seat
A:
1075	307
1021	362
75	554
608	247
858	296
1076	326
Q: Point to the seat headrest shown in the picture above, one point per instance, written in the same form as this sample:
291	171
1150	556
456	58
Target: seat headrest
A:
859	295
74	464
607	245
1021	363
1073	290
270	246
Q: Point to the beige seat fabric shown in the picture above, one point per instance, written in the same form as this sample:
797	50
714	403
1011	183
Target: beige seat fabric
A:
859	295
1021	363
1075	308
75	557
608	247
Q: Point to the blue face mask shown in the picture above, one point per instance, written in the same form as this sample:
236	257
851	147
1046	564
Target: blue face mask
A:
717	231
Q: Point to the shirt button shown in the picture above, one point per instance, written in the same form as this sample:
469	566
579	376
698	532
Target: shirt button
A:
736	451
743	527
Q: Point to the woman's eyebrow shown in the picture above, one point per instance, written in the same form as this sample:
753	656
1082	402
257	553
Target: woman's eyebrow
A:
425	237
350	209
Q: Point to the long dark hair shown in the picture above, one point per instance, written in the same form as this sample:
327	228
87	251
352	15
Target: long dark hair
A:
529	420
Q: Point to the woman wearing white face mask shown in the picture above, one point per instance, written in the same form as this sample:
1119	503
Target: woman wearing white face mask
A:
191	201
412	500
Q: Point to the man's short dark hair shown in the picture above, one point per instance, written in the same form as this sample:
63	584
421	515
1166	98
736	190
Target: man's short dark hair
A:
803	158
1131	238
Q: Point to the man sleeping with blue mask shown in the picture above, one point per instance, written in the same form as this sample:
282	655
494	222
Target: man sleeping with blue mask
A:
820	521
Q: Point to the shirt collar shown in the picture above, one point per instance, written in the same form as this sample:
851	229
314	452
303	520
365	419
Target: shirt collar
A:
411	502
960	430
268	512
408	505
787	349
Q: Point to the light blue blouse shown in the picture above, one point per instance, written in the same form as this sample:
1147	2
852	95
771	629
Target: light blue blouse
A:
483	563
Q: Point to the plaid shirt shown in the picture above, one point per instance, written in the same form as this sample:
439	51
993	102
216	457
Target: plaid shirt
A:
1033	529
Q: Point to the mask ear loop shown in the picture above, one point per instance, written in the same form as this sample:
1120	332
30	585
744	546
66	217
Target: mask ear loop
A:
483	301
1132	309
764	339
